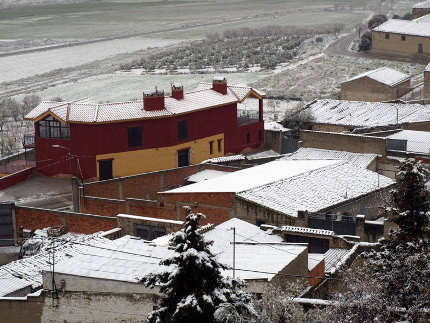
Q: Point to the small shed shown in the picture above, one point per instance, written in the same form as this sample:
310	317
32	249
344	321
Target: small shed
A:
383	84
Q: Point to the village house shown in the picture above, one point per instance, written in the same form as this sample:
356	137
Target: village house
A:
104	141
421	9
403	38
383	84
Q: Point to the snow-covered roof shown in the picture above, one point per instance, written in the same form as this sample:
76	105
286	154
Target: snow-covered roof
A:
317	189
138	217
249	178
84	111
416	27
240	90
224	159
356	159
319	232
384	75
366	114
28	270
128	259
332	257
274	126
418	141
205	175
422	5
261	154
10	284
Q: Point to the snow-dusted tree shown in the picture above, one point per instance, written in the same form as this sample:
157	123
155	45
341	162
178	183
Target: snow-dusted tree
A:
411	202
194	288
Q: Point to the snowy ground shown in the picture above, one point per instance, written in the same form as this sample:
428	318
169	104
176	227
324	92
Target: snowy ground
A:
26	65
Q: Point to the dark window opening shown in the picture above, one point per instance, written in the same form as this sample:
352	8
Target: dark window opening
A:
260	136
183	158
248	137
105	169
420	48
219	145
52	128
387	36
148	232
135	137
310	127
260	222
403	37
182	130
211	147
315	245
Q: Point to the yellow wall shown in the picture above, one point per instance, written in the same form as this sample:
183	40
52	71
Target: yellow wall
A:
148	160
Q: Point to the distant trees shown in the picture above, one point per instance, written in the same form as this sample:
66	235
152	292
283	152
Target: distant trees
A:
376	20
365	41
236	48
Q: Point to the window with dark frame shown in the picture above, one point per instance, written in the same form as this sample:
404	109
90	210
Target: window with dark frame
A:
53	128
248	137
403	37
135	136
211	147
420	48
387	36
182	130
219	145
183	158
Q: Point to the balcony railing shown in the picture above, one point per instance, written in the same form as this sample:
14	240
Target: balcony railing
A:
245	117
28	141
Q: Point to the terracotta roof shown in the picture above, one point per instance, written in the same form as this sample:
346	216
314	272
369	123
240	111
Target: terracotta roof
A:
86	111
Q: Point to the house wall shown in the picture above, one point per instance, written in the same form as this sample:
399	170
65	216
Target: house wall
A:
426	88
257	214
23	309
419	126
77	307
419	12
317	271
335	141
394	46
35	218
297	267
146	186
367	89
127	224
329	127
92	142
273	140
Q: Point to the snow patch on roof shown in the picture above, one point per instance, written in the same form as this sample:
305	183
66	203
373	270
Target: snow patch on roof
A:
384	75
367	114
416	27
317	189
356	159
205	175
422	5
274	126
319	232
249	178
224	159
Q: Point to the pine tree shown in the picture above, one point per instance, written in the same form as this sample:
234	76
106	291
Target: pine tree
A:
195	288
411	202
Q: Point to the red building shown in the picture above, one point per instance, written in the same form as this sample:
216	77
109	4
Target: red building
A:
103	141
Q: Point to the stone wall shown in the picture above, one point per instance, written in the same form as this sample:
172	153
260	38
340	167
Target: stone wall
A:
22	309
128	222
419	12
273	140
426	88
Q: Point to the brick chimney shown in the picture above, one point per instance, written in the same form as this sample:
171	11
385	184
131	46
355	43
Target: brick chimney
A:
219	84
153	100
177	91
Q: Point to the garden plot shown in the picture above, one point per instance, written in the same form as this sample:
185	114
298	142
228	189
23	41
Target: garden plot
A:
26	65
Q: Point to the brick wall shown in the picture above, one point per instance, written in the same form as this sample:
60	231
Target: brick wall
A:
146	186
335	141
34	218
105	206
317	271
419	12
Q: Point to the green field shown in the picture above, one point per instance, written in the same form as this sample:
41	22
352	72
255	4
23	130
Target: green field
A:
113	19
